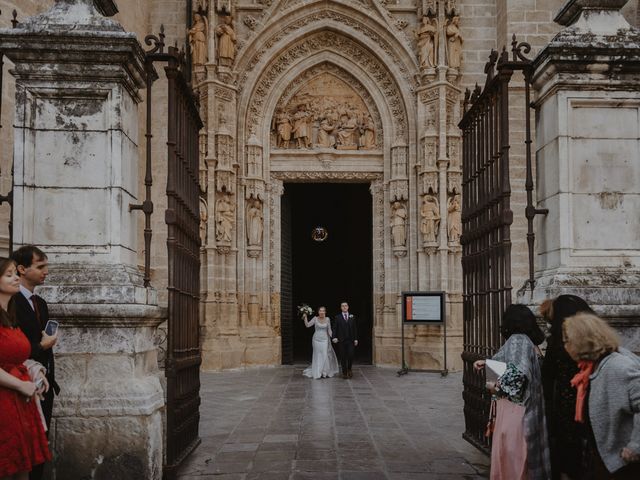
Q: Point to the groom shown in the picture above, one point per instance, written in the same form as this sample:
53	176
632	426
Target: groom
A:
345	334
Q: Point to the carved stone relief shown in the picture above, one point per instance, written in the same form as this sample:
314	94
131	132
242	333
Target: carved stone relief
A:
454	219
226	41
355	89
225	218
325	113
429	219
454	43
254	218
398	224
345	47
427	39
198	39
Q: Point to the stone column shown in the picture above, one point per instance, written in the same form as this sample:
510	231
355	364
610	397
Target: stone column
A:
76	173
588	118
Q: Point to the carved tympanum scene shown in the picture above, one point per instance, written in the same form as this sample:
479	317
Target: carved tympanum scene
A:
325	113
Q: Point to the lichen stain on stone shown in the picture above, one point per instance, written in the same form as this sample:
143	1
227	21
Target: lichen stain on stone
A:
71	162
610	200
75	138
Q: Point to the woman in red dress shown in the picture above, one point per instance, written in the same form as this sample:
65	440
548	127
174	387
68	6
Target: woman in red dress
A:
23	443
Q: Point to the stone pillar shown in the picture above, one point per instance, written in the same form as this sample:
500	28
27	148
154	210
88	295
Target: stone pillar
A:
588	118
76	173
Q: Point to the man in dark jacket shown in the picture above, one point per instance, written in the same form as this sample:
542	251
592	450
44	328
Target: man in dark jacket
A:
32	314
345	334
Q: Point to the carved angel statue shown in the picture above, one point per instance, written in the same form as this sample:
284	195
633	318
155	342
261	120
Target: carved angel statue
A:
430	218
198	39
226	41
454	43
398	224
454	219
427	36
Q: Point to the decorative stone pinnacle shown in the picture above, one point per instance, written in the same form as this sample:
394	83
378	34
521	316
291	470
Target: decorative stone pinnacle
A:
571	10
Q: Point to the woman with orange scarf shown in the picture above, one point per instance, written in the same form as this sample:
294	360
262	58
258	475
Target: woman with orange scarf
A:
608	397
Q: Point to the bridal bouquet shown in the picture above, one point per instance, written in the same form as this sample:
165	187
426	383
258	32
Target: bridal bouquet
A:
305	309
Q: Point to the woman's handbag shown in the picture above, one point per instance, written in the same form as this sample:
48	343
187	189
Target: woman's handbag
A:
492	419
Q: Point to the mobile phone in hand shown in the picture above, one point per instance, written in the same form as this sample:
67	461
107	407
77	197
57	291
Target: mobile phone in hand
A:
39	383
51	328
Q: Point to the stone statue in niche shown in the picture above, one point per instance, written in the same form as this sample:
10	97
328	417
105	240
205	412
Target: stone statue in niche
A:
254	223
454	43
225	215
368	134
430	218
325	139
198	39
454	219
347	138
427	37
301	127
398	224
284	129
226	41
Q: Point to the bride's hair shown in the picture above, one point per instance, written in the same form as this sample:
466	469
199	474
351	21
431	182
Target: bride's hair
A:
321	307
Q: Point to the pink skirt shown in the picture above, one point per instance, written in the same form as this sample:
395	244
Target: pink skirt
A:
509	447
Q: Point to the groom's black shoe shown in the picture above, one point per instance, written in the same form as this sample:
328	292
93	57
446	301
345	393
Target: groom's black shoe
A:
345	375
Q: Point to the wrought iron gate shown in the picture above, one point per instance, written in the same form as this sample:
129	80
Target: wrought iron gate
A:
182	216
486	223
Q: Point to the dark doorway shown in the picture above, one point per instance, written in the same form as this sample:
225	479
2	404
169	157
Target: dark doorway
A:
330	271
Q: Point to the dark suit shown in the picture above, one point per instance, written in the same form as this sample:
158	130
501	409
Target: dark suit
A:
346	331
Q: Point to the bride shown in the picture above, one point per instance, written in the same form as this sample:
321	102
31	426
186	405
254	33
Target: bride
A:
324	363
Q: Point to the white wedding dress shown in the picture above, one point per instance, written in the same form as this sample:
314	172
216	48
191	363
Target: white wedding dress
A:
324	362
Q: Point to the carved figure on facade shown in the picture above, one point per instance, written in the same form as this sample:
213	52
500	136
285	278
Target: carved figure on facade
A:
429	218
398	224
454	43
427	38
347	132
326	128
368	134
454	219
204	218
225	215
198	39
301	127
284	129
227	40
254	223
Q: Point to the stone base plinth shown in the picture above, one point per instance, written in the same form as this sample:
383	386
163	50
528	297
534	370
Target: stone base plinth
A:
108	418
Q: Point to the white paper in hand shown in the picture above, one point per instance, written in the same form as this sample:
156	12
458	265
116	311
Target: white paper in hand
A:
494	370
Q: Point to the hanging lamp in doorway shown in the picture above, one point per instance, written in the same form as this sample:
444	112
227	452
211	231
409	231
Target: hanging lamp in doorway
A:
319	234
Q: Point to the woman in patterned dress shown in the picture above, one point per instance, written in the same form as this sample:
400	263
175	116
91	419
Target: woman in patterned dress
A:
519	449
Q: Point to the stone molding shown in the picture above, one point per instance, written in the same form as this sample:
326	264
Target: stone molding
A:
318	13
342	46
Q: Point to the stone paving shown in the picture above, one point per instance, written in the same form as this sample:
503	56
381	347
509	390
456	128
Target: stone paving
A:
276	424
